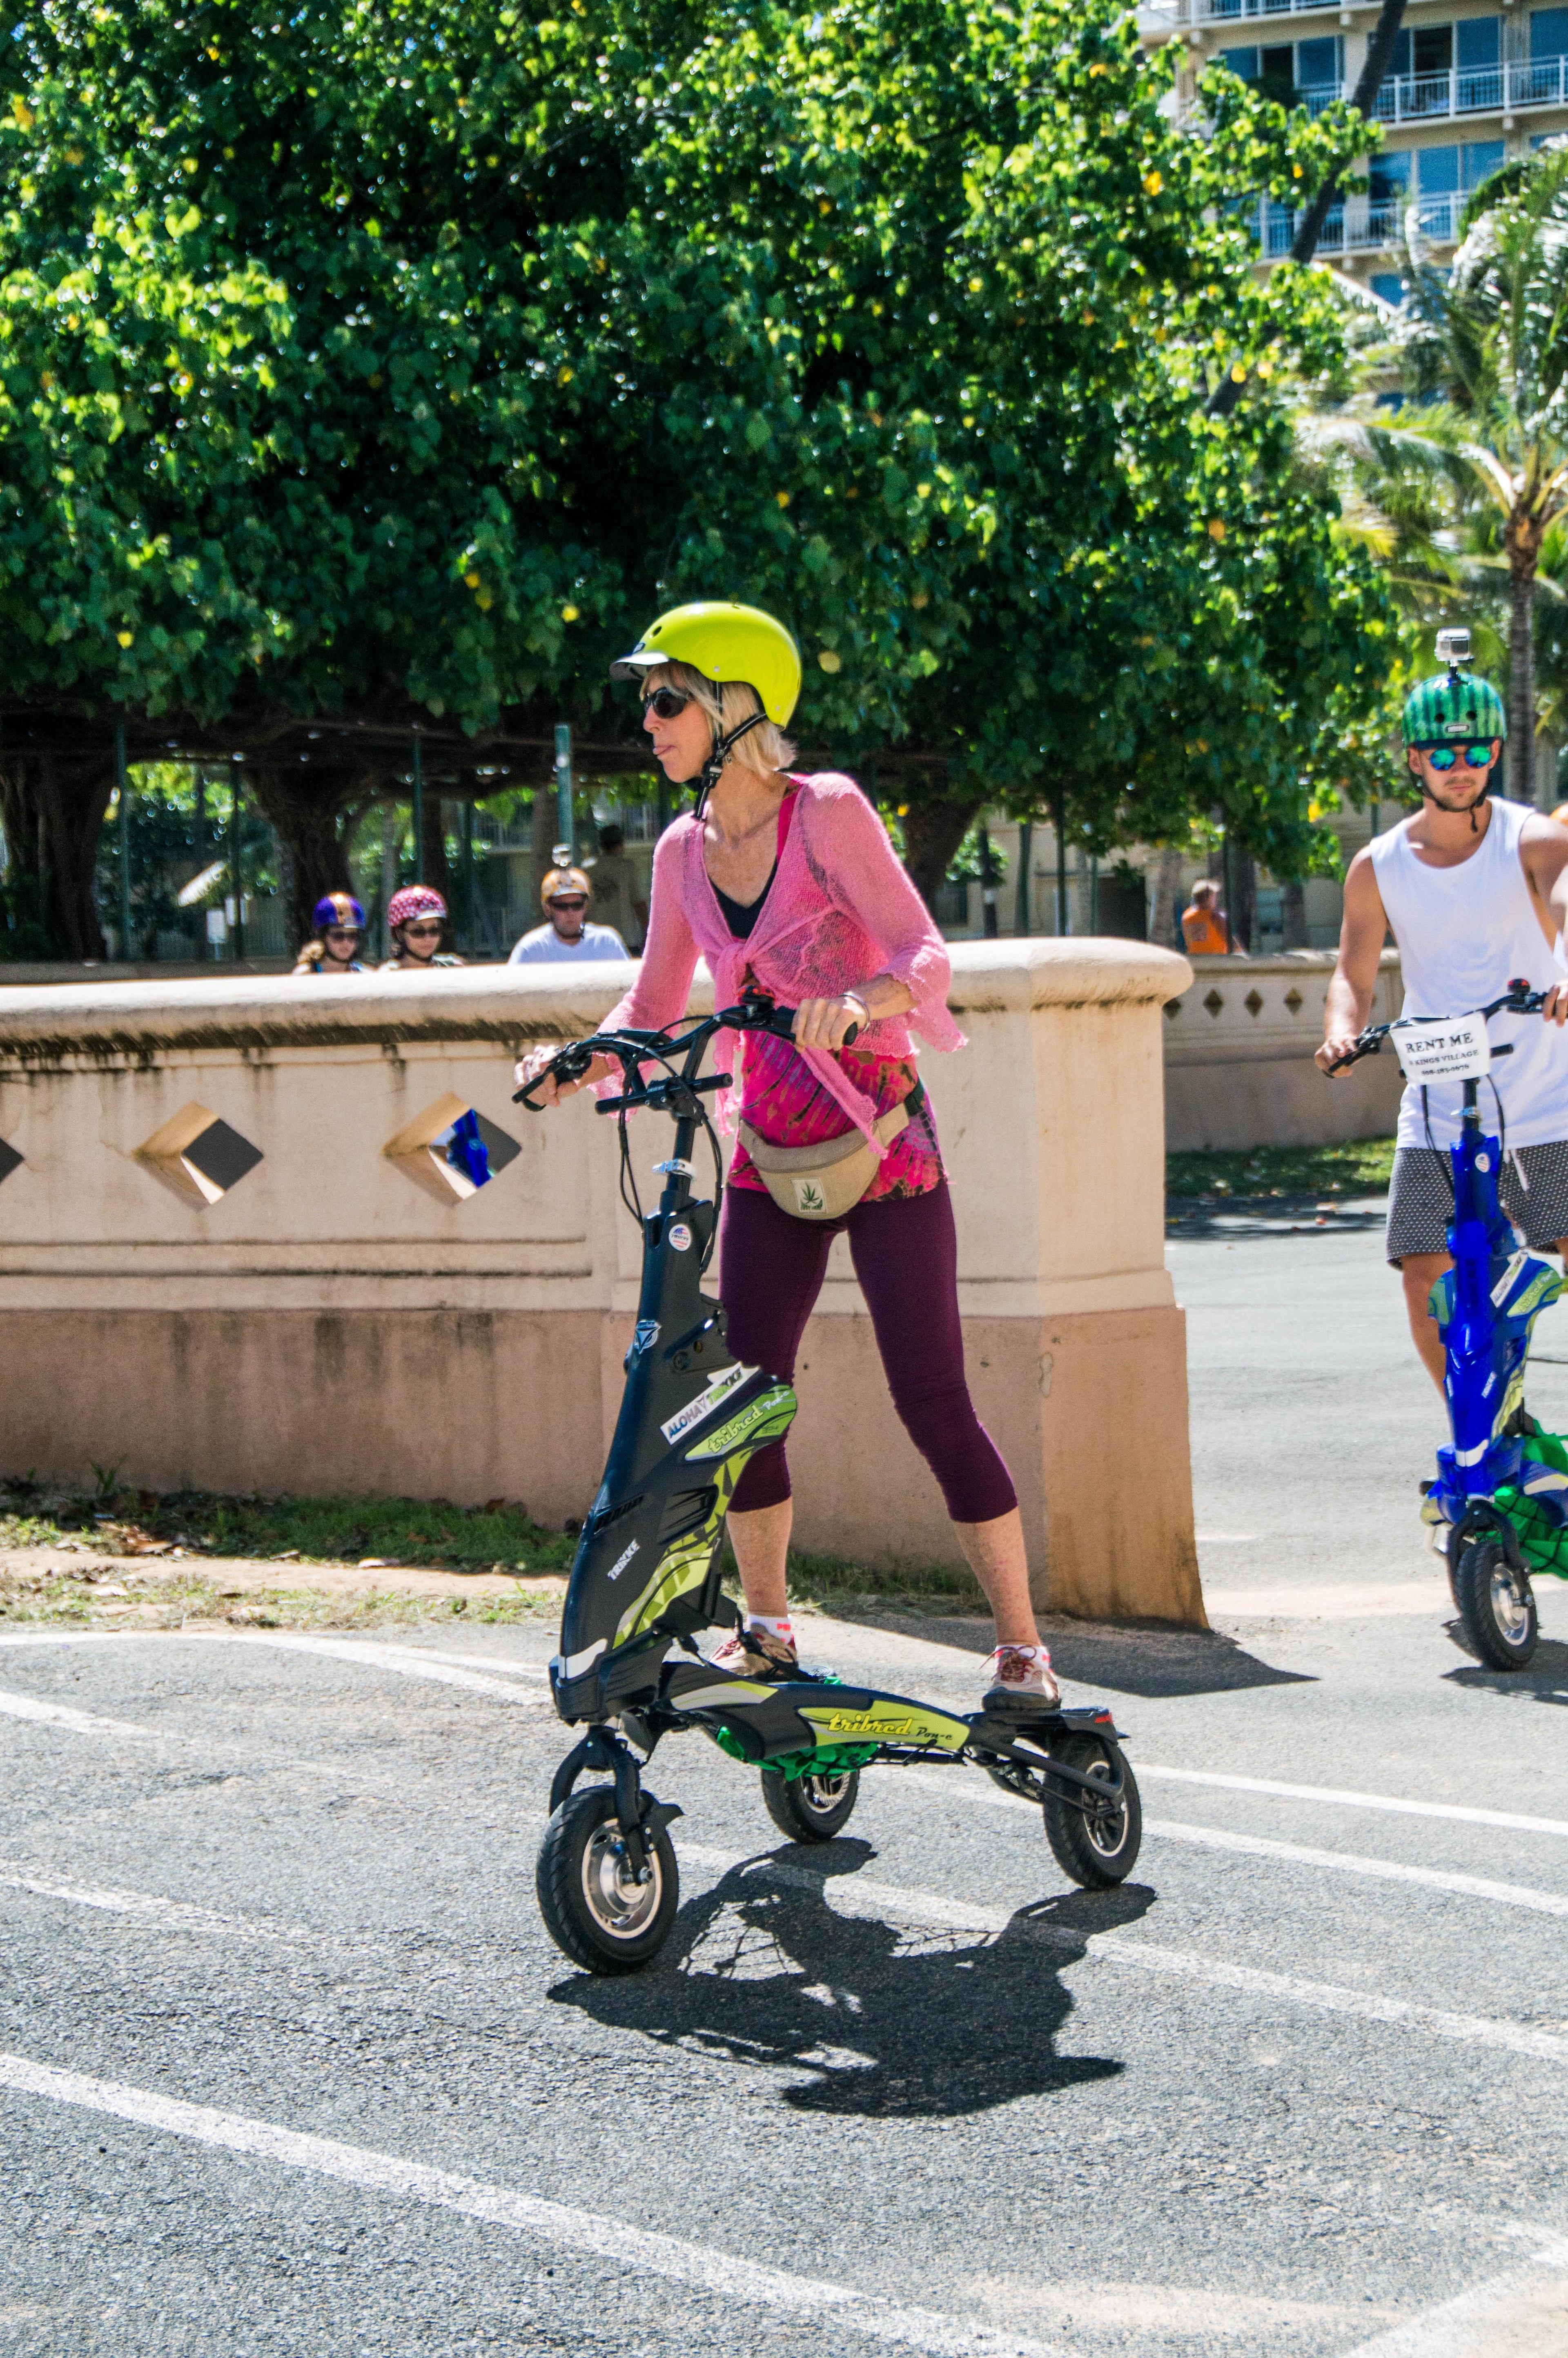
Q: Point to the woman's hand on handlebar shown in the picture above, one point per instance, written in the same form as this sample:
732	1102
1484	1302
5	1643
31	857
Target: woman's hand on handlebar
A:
822	1023
551	1090
1334	1049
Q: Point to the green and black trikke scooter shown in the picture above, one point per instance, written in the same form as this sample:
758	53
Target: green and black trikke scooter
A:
646	1577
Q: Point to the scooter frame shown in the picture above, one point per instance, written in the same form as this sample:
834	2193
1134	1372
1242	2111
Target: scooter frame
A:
1486	1308
691	1416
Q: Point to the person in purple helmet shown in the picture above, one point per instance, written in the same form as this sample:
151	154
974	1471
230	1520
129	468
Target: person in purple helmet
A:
340	924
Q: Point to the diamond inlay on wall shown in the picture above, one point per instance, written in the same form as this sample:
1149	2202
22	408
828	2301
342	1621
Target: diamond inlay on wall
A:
10	1160
450	1151
198	1156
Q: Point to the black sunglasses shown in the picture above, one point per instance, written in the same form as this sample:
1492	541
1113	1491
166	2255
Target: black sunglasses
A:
667	702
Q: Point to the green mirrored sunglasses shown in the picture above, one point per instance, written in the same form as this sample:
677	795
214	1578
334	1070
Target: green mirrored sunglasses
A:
1442	757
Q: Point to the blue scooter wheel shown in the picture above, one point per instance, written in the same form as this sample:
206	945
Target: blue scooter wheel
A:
1497	1605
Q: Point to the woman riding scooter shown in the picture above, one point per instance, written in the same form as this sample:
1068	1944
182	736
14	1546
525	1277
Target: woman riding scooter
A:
788	884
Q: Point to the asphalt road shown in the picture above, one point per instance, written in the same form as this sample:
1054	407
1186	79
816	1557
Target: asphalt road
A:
288	2066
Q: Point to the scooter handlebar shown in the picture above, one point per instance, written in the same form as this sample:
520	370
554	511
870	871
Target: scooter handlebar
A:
1520	998
570	1063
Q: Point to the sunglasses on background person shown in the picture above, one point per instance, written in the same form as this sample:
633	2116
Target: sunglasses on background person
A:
1443	757
568	900
344	933
667	702
412	933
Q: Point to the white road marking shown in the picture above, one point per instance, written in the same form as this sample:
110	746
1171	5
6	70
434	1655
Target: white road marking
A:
1331	1601
60	1714
508	1669
1386	1870
400	1660
856	1895
1513	2316
728	2277
1339	1862
1458	1811
144	1903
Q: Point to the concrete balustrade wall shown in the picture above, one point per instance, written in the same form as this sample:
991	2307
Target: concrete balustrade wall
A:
1239	1051
332	1317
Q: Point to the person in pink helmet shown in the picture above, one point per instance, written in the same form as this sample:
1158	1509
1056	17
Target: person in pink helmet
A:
417	922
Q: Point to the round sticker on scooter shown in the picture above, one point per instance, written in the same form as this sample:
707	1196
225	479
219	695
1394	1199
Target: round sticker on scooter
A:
679	1237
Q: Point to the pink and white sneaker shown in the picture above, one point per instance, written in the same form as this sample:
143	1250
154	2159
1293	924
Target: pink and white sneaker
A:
1020	1678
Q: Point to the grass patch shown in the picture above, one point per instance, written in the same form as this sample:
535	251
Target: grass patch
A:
832	1586
115	1521
145	1599
130	1577
1361	1166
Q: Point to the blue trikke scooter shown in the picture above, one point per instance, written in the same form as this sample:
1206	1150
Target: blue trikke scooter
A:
1500	1500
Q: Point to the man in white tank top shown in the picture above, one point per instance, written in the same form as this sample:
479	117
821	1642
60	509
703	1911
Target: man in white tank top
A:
1474	892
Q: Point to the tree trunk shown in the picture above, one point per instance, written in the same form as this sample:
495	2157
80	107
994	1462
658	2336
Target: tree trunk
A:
53	812
541	839
1164	918
434	867
1293	914
933	828
313	821
1522	540
1309	228
1244	909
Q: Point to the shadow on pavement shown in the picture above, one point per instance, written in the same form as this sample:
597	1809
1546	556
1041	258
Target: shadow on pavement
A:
1138	1658
889	2022
1234	1217
1545	1680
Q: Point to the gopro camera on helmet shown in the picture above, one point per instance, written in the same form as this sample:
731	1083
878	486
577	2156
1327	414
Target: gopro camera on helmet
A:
1453	648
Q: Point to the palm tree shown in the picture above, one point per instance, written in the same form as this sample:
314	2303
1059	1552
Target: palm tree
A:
1485	416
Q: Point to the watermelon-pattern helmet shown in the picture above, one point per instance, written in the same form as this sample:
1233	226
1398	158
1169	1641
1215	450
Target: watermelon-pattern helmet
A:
1450	707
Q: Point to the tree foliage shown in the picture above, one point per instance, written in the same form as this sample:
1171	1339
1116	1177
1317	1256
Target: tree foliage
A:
398	359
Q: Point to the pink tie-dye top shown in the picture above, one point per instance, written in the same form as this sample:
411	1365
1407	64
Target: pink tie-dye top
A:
839	911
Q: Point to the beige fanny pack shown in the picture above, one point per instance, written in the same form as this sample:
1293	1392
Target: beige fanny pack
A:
823	1183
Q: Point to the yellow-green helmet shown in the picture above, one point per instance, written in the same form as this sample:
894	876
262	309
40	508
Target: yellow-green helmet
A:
724	642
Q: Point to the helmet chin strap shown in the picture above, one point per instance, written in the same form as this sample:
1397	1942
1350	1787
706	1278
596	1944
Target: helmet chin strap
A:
1472	807
712	769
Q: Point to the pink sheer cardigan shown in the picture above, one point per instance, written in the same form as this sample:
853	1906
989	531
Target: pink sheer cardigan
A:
841	909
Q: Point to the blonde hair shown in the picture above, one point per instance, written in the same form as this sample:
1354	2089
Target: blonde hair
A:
765	748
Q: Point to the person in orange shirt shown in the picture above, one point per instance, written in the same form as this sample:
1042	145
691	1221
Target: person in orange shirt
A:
1204	929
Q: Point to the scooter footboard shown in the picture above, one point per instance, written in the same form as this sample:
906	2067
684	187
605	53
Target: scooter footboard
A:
769	1723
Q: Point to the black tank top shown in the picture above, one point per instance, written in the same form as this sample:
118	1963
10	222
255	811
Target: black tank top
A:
742	915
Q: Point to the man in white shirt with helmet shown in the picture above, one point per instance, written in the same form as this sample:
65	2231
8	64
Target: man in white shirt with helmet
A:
566	893
1475	892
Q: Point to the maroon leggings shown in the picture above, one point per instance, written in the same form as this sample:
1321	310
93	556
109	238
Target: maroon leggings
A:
906	1256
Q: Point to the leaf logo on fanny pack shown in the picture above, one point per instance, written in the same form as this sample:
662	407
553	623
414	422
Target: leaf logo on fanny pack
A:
809	1196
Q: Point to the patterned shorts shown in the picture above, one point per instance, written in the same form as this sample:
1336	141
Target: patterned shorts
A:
1534	1192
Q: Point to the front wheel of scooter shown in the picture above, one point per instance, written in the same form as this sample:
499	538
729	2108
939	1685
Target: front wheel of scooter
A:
596	1909
1095	1850
1497	1606
810	1809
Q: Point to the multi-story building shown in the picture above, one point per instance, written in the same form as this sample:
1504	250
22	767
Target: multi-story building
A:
1467	87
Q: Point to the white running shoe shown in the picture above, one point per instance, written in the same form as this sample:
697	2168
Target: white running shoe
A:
1020	1678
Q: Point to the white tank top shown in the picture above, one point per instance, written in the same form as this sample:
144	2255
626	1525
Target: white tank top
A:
1463	934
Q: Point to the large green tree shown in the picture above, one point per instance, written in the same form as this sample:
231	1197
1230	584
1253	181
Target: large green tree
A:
387	363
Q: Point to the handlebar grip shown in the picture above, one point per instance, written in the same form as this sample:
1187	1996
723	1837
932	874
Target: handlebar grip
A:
851	1035
568	1064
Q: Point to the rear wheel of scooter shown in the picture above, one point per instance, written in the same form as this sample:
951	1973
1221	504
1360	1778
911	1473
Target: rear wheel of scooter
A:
1497	1606
1095	1851
595	1910
810	1809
